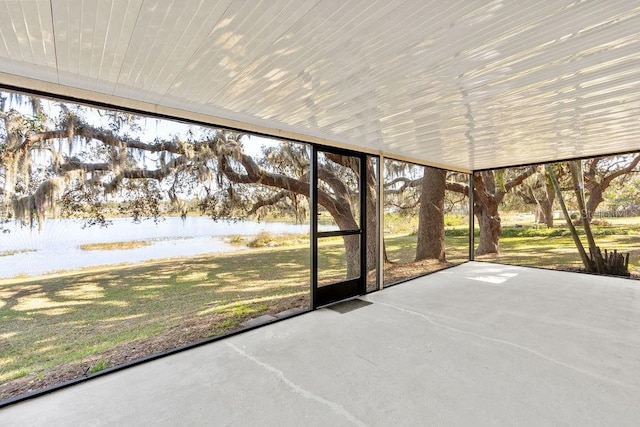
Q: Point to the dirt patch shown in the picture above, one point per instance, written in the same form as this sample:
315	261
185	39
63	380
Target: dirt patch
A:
396	272
574	269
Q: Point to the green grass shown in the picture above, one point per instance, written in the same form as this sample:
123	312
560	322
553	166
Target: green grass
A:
133	244
554	247
77	317
63	318
100	365
402	248
72	317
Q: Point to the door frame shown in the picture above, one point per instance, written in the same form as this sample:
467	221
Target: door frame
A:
325	295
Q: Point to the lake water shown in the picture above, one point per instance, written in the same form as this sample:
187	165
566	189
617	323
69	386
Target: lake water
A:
56	247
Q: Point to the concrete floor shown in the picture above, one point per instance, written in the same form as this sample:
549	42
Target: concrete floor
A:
478	344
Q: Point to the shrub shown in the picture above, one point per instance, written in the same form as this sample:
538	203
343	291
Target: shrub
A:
236	239
262	240
452	220
456	232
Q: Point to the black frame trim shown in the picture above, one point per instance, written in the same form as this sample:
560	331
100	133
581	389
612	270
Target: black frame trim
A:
338	233
472	219
328	294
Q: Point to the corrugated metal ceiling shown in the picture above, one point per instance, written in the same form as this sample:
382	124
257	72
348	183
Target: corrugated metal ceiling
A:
469	84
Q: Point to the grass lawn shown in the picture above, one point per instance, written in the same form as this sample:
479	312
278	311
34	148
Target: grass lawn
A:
96	318
57	327
402	249
401	252
69	324
554	248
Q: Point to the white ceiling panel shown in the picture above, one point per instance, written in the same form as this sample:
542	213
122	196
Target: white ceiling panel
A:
468	84
165	41
26	39
92	39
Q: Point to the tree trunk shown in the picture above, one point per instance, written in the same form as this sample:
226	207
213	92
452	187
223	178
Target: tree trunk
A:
345	221
343	215
576	175
431	215
546	212
487	198
547	203
593	201
488	194
588	265
490	227
352	248
372	220
538	215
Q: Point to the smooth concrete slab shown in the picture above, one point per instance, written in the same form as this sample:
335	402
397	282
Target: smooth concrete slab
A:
478	344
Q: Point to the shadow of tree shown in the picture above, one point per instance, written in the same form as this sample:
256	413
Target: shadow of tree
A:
72	318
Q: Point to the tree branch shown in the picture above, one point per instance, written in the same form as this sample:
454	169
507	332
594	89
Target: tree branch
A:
406	183
520	178
458	187
607	179
158	174
255	174
339	188
109	138
268	202
345	161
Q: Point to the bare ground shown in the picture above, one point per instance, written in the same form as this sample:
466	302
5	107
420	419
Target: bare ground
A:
396	272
